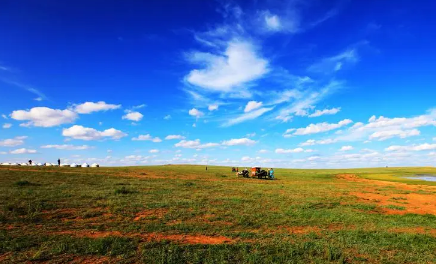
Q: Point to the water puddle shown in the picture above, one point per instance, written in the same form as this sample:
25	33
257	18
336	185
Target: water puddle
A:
423	177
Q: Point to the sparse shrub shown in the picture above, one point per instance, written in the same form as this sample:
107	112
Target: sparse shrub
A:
189	184
124	190
25	183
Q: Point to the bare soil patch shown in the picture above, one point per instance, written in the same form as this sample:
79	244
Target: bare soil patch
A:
395	203
179	238
158	213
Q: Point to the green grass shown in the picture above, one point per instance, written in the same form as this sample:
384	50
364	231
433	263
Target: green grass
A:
305	216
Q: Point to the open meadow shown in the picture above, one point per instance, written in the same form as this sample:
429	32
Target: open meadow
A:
184	214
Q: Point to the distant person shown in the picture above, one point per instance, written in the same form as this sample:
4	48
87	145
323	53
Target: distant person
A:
59	162
271	173
30	162
206	167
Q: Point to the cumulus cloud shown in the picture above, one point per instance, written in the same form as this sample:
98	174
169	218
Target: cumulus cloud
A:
387	134
195	144
346	148
317	128
7	125
23	151
133	116
213	107
169	137
66	147
239	142
12	142
195	112
89	107
332	111
147	137
421	147
383	128
237	65
251	106
86	133
44	117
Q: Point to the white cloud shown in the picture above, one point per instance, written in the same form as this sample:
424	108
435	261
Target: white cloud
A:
154	151
147	137
251	106
272	22
86	133
4	116
139	106
213	107
263	151
421	147
23	151
195	144
312	142
133	116
239	142
7	125
286	151
194	125
335	63
346	148
89	107
167	117
44	117
169	137
325	112
383	128
247	116
12	142
239	64
66	147
303	101
316	128
195	112
387	134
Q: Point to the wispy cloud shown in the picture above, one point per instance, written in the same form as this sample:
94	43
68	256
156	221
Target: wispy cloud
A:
247	116
335	63
40	96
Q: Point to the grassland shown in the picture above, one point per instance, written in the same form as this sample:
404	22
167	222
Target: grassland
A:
184	214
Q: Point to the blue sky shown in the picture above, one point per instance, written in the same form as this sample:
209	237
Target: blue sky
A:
300	84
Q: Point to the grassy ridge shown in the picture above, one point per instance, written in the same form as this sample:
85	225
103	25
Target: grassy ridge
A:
175	214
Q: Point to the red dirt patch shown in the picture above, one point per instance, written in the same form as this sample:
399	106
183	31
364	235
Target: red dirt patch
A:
5	256
159	213
179	238
414	203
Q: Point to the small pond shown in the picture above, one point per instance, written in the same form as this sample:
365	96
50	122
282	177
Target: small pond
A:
423	177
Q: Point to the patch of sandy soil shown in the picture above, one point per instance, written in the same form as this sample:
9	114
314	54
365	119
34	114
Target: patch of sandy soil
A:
159	213
179	238
415	203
